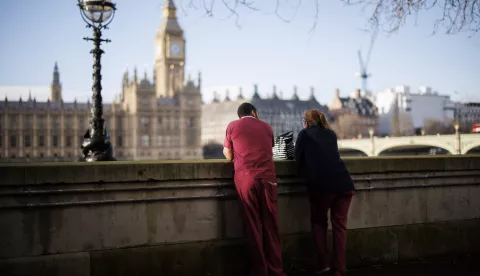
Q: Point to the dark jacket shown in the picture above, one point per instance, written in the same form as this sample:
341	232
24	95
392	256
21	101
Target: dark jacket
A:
319	162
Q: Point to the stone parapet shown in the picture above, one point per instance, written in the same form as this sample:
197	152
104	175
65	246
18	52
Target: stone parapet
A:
179	217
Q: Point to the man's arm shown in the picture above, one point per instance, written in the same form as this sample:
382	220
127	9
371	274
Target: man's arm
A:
228	154
228	144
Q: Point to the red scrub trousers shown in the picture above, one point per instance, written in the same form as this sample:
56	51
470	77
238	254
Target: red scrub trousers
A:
338	205
258	205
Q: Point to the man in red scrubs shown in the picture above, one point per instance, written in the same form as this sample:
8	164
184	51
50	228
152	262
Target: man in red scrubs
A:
249	142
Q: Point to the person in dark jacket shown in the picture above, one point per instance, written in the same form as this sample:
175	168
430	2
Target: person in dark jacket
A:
329	186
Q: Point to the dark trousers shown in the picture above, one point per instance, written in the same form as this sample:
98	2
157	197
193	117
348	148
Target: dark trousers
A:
338	205
258	205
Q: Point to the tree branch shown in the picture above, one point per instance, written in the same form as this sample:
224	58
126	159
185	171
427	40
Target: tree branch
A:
456	15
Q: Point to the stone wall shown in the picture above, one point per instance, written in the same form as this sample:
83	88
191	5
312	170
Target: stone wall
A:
181	218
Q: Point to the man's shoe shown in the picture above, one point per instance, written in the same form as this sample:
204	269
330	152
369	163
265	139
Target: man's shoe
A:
324	271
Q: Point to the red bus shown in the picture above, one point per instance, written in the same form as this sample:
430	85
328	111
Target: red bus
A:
476	128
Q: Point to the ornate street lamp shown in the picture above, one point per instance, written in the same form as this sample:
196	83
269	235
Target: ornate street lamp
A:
458	141
96	145
372	140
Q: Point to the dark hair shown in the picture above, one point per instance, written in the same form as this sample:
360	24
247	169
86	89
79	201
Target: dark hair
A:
315	117
245	109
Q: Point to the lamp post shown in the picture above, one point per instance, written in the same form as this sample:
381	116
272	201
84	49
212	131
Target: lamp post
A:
458	142
96	145
372	141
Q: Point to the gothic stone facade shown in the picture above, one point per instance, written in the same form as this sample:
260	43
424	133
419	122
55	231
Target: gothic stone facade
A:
151	120
282	115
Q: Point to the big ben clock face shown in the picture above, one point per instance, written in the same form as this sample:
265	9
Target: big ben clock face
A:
175	49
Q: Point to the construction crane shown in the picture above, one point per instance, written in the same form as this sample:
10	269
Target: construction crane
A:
363	74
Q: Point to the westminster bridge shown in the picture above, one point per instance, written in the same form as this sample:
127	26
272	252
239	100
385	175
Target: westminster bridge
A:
375	146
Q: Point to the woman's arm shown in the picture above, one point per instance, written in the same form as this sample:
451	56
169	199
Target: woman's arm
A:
299	148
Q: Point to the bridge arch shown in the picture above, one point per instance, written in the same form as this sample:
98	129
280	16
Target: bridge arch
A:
471	147
352	149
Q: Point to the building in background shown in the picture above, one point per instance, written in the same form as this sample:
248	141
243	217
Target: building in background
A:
401	111
353	116
282	114
152	119
466	115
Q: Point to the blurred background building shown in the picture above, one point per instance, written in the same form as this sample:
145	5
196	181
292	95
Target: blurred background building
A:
403	113
355	116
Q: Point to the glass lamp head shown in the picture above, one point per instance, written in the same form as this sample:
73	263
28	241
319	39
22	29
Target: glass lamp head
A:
97	12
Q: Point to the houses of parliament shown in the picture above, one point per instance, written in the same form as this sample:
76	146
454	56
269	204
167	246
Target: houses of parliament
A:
151	120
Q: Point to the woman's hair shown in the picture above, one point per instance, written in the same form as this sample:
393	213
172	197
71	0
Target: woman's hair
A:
314	117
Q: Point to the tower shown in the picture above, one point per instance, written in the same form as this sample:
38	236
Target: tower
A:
170	54
56	86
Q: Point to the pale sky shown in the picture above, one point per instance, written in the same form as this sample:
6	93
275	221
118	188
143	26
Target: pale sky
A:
264	50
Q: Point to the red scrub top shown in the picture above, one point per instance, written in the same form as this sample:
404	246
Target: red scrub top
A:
251	141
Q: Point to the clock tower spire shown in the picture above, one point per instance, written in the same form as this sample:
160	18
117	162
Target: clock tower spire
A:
170	54
56	86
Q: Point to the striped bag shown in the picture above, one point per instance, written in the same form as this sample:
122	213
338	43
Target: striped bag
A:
284	148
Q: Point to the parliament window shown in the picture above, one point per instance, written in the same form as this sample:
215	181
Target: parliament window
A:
27	141
145	141
119	141
13	141
69	141
27	122
55	141
41	122
41	141
144	122
68	122
191	139
13	121
81	125
55	122
190	122
167	123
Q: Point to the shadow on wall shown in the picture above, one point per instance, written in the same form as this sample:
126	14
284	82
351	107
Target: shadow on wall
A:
213	151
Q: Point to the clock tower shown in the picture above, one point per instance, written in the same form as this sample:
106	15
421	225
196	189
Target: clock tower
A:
169	54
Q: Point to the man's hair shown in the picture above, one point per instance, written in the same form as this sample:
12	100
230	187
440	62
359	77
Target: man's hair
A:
245	109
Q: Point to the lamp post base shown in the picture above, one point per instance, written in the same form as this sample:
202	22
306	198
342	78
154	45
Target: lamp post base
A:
98	148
